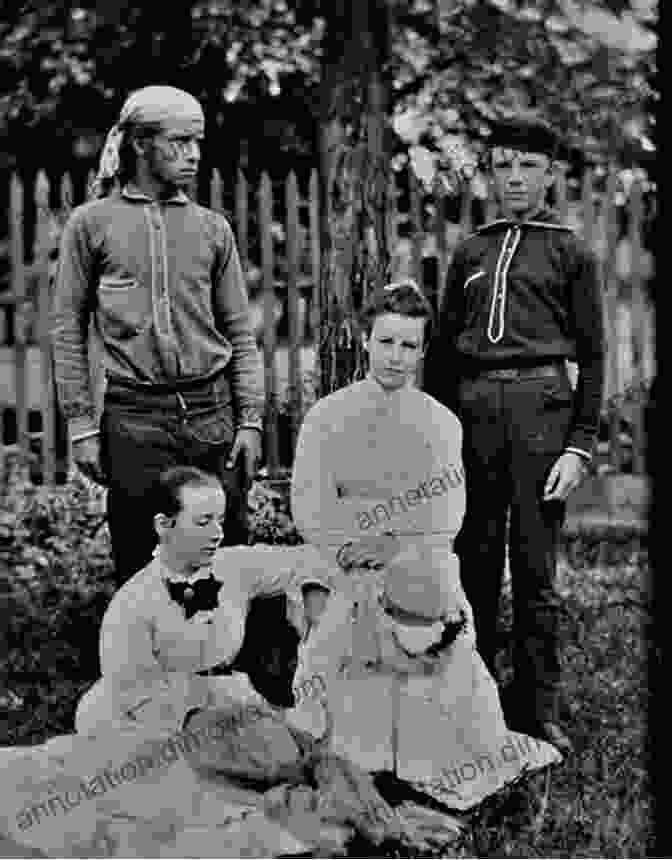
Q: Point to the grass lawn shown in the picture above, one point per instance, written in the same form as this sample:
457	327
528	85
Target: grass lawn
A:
598	803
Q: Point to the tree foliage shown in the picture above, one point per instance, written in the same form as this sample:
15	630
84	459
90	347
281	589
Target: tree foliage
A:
587	67
67	67
453	64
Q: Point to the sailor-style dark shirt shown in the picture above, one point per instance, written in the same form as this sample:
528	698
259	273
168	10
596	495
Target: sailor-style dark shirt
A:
520	293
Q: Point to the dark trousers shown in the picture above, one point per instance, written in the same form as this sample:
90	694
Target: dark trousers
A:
514	430
144	432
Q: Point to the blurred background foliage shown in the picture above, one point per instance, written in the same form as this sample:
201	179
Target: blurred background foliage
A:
451	66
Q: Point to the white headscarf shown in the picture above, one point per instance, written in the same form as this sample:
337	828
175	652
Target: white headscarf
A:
159	106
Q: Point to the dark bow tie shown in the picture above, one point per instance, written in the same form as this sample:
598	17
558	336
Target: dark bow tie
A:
197	596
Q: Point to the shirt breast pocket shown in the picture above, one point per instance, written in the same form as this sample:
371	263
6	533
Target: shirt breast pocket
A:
476	291
472	278
124	306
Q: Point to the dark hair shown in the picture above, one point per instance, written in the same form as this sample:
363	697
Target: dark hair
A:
166	494
402	297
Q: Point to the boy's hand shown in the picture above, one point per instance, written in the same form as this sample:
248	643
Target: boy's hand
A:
247	444
565	476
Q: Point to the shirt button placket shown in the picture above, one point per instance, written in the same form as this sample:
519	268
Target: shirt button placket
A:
496	323
160	295
158	248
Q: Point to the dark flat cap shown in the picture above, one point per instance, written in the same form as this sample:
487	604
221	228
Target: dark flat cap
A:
528	134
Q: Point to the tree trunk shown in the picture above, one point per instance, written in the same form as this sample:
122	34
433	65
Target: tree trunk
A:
354	175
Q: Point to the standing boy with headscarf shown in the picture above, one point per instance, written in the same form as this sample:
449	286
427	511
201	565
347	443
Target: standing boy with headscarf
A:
160	279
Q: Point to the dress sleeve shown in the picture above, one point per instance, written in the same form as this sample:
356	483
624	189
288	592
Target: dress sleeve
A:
146	692
318	513
327	647
448	506
268	570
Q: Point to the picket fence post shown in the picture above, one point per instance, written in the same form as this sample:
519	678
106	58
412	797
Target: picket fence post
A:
637	311
18	286
418	228
268	281
612	376
241	219
294	393
41	250
216	191
315	260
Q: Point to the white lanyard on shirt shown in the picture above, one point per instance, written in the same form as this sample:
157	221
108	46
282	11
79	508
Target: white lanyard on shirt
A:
498	306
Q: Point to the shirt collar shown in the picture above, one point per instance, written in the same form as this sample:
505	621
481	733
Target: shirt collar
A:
541	218
131	191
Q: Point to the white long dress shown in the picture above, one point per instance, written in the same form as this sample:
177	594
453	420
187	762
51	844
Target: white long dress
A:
369	461
150	653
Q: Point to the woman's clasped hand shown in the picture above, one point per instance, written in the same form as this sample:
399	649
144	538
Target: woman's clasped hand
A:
369	552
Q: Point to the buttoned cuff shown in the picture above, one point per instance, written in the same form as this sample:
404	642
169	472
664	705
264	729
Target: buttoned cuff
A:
83	427
585	455
582	443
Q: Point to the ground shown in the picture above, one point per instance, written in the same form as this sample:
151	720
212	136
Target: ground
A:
598	803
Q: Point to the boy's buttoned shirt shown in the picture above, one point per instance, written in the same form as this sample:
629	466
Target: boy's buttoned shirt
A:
167	295
516	293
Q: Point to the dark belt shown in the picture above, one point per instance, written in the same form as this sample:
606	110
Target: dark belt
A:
199	394
534	371
221	669
185	386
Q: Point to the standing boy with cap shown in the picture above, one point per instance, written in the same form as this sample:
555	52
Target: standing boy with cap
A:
160	279
522	296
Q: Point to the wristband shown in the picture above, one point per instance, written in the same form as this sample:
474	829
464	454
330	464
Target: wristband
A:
585	456
89	434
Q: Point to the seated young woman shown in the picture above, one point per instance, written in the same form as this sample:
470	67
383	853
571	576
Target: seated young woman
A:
378	487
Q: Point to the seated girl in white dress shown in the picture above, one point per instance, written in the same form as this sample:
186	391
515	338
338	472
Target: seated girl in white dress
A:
171	632
378	477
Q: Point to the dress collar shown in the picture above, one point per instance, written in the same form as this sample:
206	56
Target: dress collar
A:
375	389
166	573
133	193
